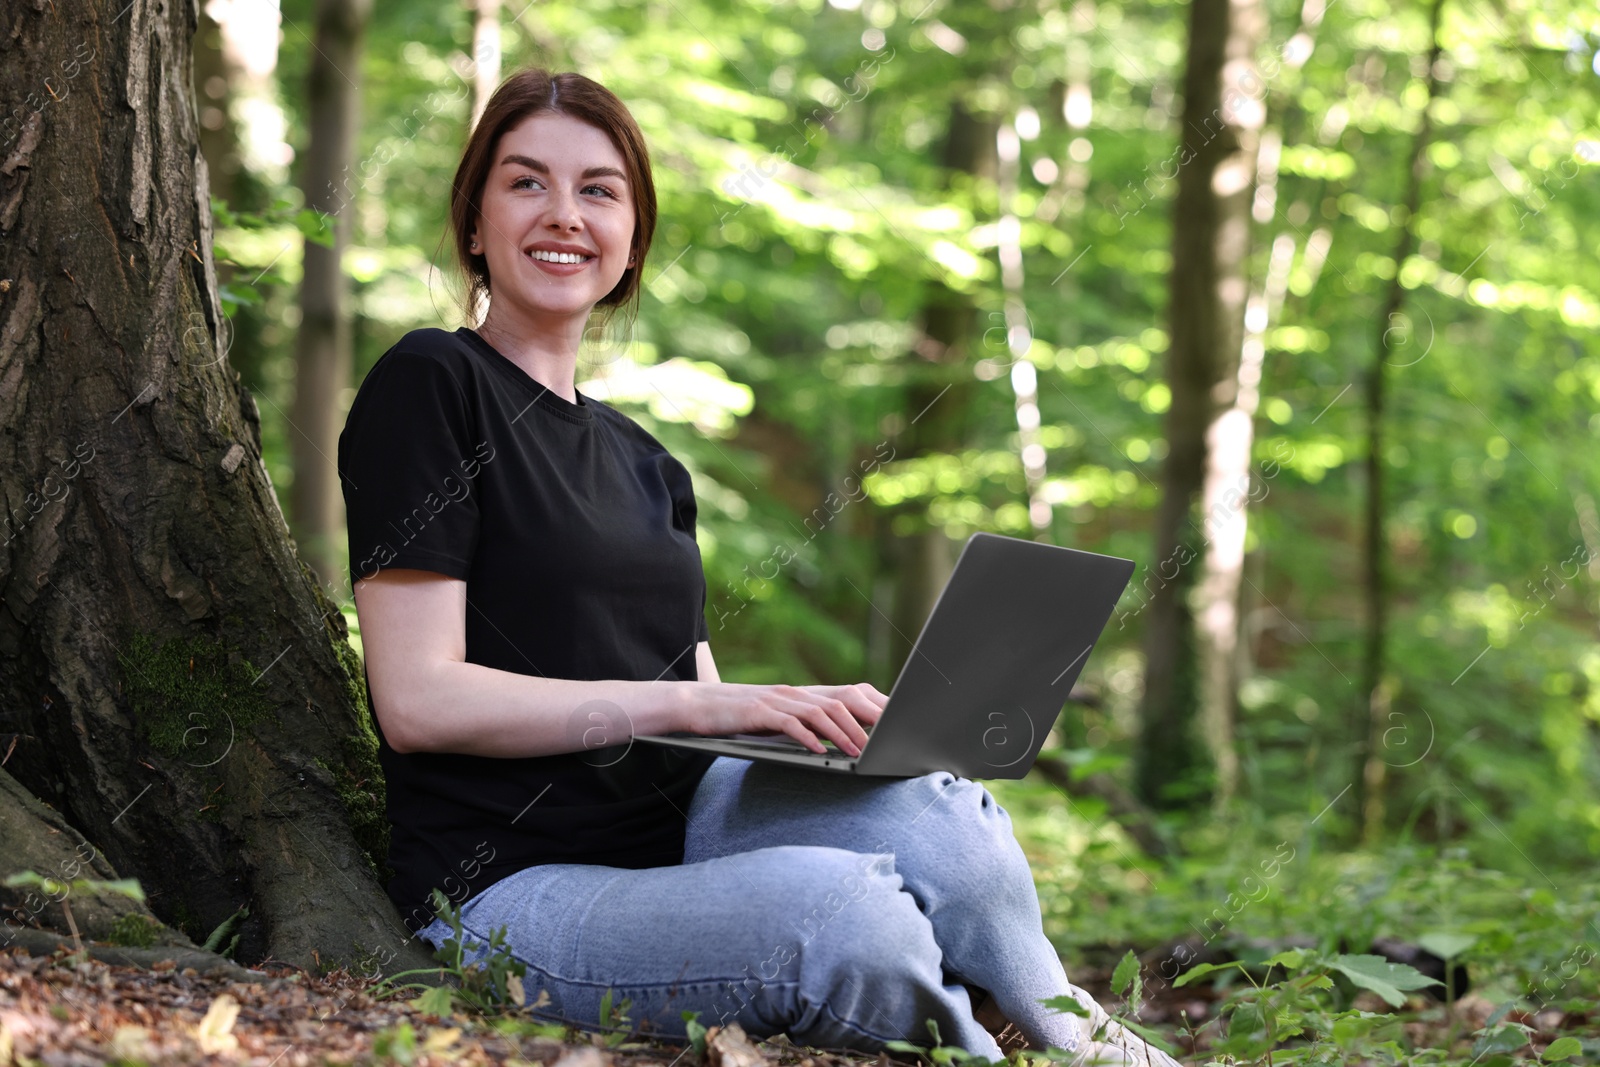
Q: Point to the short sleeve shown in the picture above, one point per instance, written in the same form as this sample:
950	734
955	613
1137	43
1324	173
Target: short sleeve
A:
685	513
409	466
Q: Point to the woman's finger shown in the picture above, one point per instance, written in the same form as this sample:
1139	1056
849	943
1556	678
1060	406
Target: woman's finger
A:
791	726
863	700
842	719
826	717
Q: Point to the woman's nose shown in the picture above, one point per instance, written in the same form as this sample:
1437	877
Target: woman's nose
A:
563	212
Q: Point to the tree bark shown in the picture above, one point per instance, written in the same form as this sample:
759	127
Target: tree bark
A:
1393	333
1211	236
179	688
34	837
919	553
1011	355
485	53
323	362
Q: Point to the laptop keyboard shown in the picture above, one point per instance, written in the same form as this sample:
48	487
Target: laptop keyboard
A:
786	745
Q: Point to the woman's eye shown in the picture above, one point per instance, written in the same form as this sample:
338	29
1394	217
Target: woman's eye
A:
604	189
522	182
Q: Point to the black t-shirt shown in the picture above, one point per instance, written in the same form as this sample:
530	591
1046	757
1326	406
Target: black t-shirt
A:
574	531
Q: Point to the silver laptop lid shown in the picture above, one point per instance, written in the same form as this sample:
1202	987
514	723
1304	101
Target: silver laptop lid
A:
996	659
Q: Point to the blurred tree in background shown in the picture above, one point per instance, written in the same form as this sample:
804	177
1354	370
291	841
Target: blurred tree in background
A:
914	278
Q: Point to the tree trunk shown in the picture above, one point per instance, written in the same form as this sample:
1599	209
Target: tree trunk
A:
1393	336
921	556
1010	355
178	688
323	363
1211	234
1228	488
485	53
241	134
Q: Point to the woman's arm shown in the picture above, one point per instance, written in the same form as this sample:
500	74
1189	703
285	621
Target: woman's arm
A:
705	666
427	698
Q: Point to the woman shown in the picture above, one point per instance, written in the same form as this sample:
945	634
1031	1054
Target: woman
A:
531	597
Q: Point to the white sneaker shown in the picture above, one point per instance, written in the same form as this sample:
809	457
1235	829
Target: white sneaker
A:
1107	1042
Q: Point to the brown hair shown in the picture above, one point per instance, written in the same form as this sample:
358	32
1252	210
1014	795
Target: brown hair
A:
528	93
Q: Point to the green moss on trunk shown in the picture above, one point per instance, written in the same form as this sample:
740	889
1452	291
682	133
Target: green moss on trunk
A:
360	777
190	698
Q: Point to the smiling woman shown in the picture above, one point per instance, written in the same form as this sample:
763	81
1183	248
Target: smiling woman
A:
518	641
554	238
552	156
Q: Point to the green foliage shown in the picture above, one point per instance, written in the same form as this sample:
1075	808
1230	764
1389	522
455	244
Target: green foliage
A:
614	1019
1389	980
940	1053
1563	1048
224	940
696	1031
489	987
1303	1014
1125	980
127	887
247	228
395	1044
61	890
1068	1004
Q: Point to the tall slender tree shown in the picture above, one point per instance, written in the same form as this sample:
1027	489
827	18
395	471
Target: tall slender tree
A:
485	52
323	362
1228	488
937	404
1376	687
1222	116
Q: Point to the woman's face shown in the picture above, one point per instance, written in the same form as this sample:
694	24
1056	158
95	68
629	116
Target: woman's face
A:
557	218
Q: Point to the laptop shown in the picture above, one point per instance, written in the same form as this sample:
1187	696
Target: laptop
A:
988	675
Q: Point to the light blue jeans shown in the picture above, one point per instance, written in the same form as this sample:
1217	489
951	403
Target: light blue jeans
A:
844	911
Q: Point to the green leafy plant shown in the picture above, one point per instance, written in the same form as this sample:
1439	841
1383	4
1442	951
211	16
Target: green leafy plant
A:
128	887
614	1019
1563	1048
940	1053
1300	1008
313	226
395	1044
696	1030
224	940
490	986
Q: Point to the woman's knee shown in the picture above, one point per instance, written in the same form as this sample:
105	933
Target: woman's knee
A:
944	811
816	883
830	905
885	931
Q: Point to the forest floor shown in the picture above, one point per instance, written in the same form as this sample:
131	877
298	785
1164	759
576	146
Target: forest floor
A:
61	1013
57	1012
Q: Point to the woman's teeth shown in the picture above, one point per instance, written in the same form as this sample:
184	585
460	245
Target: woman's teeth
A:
559	257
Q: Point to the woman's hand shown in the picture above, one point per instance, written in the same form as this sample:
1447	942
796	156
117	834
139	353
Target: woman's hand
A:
803	712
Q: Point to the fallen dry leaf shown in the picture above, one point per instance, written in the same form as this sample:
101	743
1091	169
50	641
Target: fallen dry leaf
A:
587	1056
213	1032
729	1046
441	1039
